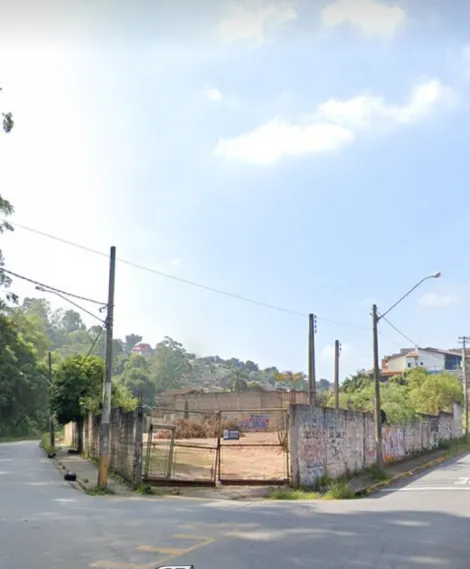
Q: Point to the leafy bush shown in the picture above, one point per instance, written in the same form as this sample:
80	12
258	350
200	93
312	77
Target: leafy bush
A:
340	491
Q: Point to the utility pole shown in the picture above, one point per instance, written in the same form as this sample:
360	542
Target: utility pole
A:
51	417
106	410
312	384
336	373
464	340
378	414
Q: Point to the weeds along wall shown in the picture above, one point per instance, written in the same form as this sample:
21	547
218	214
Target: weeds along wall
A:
125	441
330	442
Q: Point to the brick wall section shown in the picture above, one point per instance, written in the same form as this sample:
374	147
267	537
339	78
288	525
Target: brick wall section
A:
124	440
331	442
212	402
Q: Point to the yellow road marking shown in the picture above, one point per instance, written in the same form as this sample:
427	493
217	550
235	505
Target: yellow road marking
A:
117	565
172	553
164	550
203	542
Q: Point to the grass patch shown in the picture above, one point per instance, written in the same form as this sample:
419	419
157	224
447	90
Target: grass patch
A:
339	491
149	490
378	474
145	490
98	491
292	494
455	446
45	443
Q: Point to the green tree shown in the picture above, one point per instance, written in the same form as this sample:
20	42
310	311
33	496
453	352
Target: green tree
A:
238	380
8	122
6	209
131	341
170	366
356	382
23	382
294	380
76	390
136	378
433	392
255	386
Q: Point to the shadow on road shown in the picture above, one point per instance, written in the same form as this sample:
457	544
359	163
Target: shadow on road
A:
359	539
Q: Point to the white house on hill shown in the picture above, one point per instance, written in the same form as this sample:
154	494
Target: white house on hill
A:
431	359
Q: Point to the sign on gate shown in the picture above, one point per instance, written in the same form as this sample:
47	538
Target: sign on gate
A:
231	435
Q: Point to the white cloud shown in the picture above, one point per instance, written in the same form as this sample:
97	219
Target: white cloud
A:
254	20
269	142
367	111
213	94
176	262
375	18
432	299
334	124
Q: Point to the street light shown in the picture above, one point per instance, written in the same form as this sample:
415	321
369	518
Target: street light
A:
375	321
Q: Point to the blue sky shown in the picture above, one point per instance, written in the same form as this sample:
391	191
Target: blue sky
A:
311	156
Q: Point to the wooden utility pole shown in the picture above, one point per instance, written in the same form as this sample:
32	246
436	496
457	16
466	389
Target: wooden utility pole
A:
464	340
336	373
378	413
51	417
106	410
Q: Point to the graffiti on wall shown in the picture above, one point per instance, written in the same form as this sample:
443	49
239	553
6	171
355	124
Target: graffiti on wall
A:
312	453
255	423
393	441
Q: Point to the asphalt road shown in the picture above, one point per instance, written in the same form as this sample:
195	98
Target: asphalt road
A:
46	524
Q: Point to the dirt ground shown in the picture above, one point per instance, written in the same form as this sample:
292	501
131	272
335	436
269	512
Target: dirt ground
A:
255	456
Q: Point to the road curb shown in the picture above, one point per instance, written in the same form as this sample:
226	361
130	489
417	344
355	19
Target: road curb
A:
381	485
77	485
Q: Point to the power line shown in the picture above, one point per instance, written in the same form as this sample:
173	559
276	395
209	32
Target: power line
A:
400	332
72	302
50	288
187	281
97	337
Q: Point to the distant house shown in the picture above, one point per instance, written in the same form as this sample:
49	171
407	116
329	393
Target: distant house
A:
142	349
431	359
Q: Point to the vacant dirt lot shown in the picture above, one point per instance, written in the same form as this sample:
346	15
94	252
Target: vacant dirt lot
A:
256	456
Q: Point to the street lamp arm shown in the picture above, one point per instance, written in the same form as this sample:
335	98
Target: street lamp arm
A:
42	289
435	276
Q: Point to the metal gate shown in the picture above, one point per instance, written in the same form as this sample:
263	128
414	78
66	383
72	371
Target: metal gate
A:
254	447
183	448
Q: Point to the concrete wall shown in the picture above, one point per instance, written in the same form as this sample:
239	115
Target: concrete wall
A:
231	401
330	442
125	441
397	364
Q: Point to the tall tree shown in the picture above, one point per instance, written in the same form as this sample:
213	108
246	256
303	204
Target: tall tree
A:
6	209
170	366
131	341
8	122
77	386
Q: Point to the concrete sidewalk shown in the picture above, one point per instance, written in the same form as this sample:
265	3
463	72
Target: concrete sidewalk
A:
87	479
364	481
87	472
